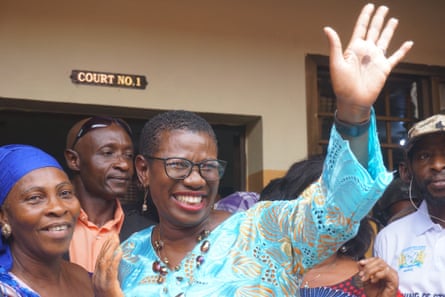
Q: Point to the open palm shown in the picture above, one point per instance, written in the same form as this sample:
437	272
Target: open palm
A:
359	73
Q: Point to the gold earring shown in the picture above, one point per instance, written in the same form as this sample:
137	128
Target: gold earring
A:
144	205
6	230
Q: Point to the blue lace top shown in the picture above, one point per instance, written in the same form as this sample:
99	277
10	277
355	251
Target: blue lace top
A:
264	251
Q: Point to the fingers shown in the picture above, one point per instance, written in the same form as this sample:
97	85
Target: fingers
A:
105	277
375	31
395	58
360	31
335	47
379	279
110	252
385	39
361	26
375	270
387	34
376	24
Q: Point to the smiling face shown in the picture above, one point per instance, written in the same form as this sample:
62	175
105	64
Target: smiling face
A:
42	211
187	202
427	162
106	161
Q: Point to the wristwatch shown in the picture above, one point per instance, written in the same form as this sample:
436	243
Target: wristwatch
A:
352	130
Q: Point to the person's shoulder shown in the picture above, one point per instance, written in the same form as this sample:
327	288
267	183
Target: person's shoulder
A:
75	269
80	277
134	221
402	213
140	236
138	243
399	226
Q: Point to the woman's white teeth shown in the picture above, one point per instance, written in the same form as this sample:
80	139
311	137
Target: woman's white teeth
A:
189	199
58	228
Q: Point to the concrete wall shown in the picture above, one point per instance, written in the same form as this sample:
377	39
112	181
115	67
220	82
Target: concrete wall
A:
231	57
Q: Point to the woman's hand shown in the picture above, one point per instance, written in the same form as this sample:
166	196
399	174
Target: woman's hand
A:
359	73
379	279
105	277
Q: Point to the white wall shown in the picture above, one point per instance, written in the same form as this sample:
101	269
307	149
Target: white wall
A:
231	56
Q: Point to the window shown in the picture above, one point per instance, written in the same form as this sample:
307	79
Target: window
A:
412	92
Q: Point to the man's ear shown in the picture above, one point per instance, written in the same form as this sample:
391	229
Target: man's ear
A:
142	170
72	159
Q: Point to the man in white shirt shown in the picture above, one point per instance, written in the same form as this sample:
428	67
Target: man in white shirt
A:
415	244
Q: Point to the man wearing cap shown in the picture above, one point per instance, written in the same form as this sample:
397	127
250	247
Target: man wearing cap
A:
99	152
415	244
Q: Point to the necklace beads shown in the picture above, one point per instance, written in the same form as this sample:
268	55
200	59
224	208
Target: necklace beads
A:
162	270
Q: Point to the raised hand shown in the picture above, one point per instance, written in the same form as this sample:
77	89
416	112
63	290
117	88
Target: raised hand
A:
105	280
359	73
379	279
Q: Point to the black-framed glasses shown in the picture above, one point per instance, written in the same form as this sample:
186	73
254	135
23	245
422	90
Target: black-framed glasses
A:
100	122
180	168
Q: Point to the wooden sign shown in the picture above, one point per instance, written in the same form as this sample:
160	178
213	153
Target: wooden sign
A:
107	79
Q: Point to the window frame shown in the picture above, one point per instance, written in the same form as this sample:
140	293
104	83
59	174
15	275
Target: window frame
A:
430	85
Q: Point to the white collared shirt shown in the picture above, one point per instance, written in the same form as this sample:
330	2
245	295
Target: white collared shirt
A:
415	246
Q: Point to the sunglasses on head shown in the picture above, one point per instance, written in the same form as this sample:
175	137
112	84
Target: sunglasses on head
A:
100	122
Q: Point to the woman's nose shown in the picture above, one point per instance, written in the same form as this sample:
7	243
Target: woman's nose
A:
195	178
56	205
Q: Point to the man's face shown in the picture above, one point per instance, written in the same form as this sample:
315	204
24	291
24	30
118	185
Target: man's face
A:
428	167
106	161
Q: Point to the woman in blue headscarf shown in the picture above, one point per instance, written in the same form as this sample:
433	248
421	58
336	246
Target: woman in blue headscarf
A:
38	211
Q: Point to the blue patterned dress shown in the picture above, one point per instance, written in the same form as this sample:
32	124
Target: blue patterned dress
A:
10	286
265	250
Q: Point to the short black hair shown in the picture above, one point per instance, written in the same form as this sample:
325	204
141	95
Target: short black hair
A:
357	247
169	121
299	176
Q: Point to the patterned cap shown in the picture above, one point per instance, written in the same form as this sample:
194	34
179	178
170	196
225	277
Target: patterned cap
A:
433	124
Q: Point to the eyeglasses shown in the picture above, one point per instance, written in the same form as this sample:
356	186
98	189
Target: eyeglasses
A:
100	122
180	168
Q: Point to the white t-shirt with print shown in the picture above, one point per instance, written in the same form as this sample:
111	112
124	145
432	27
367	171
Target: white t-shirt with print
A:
415	247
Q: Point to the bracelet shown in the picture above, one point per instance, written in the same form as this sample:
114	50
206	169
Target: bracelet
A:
351	130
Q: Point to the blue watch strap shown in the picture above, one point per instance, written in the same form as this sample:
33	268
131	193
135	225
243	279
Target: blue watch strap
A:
351	130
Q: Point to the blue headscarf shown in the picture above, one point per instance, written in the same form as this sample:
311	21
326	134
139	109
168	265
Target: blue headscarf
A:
17	160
